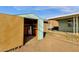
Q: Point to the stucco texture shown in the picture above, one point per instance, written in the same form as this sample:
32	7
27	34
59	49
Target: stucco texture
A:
11	31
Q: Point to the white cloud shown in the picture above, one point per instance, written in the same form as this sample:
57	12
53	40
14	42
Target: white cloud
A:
44	7
20	7
70	9
61	8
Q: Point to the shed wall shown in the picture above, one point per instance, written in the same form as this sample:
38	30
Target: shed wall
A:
11	32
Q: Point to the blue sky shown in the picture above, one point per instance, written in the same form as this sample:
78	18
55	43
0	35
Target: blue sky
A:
42	11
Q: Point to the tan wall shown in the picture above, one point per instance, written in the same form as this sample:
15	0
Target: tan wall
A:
11	32
45	27
53	23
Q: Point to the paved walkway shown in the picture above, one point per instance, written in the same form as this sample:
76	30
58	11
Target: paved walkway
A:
51	43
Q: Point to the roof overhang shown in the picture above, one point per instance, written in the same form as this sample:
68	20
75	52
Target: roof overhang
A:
31	16
63	17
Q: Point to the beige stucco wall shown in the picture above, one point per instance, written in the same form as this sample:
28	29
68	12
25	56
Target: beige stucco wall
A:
11	31
78	25
53	23
46	27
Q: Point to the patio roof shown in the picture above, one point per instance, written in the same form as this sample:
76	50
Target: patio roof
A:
64	16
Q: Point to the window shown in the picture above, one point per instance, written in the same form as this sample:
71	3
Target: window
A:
70	23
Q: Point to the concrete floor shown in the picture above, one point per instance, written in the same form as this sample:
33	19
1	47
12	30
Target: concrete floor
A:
51	43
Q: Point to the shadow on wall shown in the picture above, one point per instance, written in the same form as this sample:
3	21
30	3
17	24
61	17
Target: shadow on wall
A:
54	28
26	39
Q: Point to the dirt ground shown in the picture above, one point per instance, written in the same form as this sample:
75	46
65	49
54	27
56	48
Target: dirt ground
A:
53	42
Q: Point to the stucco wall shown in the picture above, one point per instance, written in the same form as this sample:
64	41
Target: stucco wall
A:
53	23
11	32
46	27
78	25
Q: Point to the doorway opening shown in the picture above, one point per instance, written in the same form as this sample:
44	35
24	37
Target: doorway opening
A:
30	29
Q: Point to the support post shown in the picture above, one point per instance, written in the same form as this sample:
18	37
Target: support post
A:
40	29
74	30
76	25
